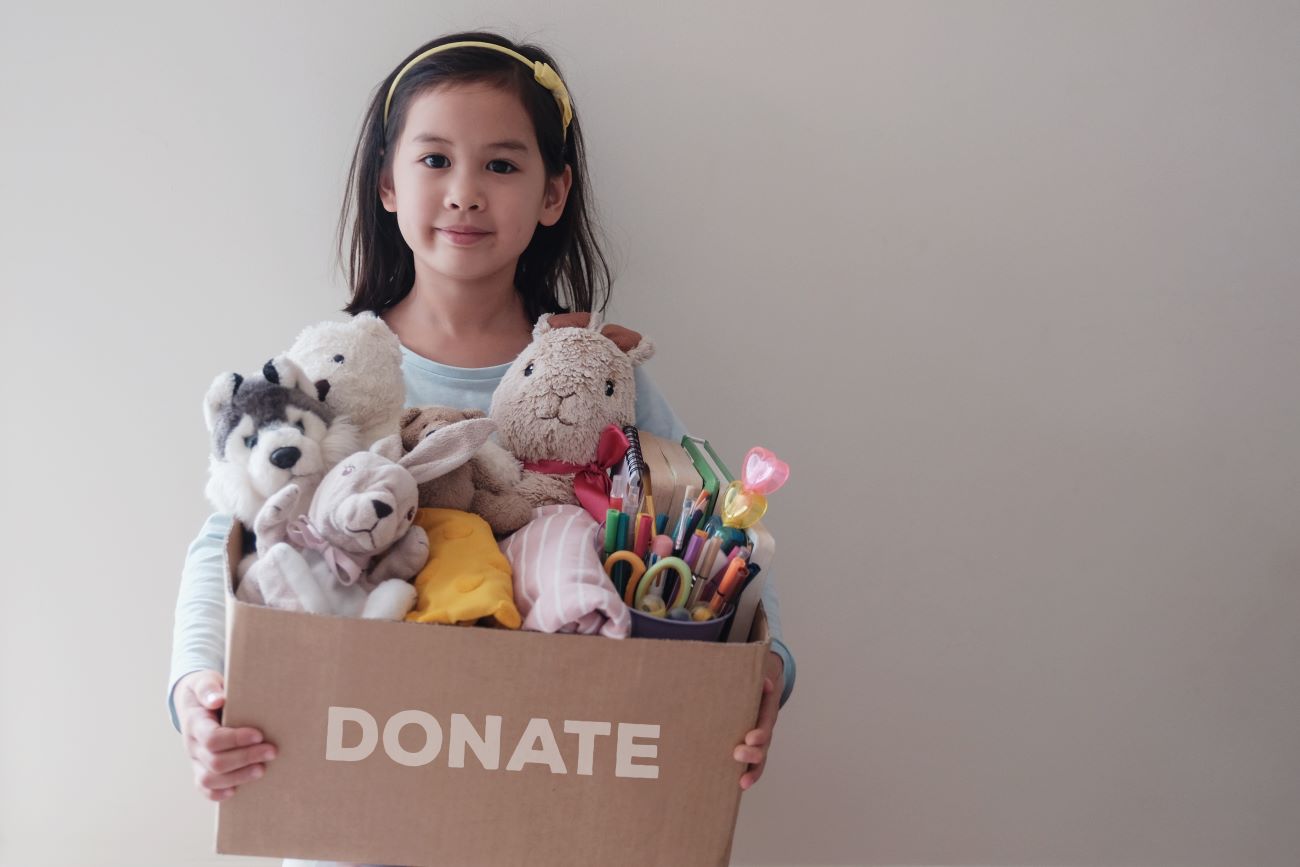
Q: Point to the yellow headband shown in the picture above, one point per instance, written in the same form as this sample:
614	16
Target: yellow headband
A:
545	75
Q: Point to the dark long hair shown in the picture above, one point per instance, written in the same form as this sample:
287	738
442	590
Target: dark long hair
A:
562	268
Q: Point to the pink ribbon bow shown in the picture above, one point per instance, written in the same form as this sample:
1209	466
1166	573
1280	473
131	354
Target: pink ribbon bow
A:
590	482
348	567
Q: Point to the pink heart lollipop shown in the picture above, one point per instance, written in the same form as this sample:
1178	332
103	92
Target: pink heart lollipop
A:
763	472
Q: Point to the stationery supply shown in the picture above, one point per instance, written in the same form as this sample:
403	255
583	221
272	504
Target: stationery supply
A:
701	559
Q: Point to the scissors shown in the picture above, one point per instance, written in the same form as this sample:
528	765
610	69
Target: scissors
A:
637	564
637	590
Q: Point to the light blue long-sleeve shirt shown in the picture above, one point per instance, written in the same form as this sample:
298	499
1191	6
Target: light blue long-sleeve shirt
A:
199	639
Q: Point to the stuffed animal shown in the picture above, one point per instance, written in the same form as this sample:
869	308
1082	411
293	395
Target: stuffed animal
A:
361	360
560	408
484	486
467	579
355	550
269	431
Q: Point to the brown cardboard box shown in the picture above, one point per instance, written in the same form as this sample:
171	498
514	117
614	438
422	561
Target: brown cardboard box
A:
608	752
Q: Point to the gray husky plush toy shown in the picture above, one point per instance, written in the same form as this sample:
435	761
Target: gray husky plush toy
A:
355	550
269	431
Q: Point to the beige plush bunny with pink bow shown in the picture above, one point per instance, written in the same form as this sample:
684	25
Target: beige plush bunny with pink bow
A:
354	552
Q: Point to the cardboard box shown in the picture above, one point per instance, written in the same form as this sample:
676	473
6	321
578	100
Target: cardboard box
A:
424	745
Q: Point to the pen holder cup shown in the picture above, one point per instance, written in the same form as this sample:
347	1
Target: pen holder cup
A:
645	626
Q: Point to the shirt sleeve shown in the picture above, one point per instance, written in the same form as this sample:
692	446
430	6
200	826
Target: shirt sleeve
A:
653	413
199	634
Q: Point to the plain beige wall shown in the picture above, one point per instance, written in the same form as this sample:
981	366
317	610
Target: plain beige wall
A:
1012	286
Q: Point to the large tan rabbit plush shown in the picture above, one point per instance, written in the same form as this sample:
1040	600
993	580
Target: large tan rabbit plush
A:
556	405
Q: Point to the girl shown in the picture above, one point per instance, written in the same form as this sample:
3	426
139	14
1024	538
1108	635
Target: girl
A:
469	219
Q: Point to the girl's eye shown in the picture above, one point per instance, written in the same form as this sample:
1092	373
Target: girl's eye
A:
502	167
441	161
609	387
300	426
528	371
250	442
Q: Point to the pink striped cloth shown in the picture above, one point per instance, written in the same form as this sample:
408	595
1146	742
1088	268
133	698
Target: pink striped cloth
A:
559	583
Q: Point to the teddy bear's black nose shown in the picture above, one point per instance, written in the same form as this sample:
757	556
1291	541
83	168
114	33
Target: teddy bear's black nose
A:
285	457
382	509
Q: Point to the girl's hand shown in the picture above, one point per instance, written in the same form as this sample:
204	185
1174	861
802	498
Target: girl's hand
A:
223	758
753	751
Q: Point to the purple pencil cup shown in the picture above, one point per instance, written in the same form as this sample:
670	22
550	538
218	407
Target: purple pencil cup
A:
645	626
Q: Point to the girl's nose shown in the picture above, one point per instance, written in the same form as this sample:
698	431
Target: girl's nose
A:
464	197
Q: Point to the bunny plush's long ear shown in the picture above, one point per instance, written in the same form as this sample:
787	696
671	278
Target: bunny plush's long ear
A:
543	325
642	352
389	447
447	448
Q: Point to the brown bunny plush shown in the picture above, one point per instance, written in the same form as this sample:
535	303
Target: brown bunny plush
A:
485	485
560	409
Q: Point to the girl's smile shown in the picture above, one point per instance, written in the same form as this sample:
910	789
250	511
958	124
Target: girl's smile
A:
463	234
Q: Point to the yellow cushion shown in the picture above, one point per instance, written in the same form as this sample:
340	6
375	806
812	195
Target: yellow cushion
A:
467	577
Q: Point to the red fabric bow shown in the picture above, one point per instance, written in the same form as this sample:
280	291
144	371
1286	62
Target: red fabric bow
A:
590	481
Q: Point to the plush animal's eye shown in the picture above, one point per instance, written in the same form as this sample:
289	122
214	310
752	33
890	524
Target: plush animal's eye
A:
250	442
300	426
609	387
410	514
338	359
528	371
430	432
347	471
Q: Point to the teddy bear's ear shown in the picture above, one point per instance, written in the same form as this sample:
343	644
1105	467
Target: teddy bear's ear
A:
367	321
642	352
221	392
543	325
409	416
389	447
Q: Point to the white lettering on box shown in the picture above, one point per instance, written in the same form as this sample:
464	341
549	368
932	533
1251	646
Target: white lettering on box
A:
586	732
538	731
432	742
334	749
629	749
537	745
487	747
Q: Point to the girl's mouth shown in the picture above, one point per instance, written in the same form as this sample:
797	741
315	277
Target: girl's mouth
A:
463	239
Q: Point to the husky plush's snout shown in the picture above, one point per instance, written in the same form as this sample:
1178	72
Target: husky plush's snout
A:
285	457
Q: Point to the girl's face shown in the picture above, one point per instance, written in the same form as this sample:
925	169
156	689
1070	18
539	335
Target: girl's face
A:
468	185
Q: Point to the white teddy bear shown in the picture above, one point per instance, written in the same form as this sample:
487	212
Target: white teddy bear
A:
361	360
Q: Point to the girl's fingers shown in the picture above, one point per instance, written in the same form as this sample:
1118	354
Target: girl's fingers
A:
758	737
752	777
222	739
211	782
749	755
233	760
